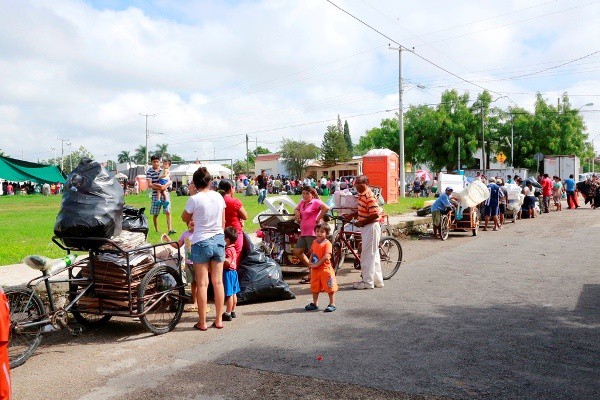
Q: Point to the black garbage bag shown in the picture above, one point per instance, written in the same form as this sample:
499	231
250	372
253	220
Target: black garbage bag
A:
134	220
260	277
92	205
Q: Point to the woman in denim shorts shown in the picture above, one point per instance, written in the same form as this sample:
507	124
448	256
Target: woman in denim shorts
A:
207	209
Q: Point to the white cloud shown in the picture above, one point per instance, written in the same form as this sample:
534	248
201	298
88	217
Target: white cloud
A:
215	71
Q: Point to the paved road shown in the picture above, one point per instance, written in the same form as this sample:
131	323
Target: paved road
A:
509	314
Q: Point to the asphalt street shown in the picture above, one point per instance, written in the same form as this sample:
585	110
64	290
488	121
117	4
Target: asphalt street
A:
507	314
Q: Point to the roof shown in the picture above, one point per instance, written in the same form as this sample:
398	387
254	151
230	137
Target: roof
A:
268	157
15	170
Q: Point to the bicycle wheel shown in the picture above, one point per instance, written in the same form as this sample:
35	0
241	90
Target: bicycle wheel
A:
25	307
91	320
445	227
390	252
161	296
338	257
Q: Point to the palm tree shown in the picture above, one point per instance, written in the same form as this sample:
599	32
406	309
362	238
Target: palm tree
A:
125	156
162	149
140	155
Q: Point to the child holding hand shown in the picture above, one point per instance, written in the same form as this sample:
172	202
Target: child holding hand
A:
231	284
322	275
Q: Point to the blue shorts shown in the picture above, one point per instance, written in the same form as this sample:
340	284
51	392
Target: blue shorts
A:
491	210
231	284
211	249
156	206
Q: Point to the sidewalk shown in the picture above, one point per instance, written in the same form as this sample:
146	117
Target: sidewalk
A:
20	274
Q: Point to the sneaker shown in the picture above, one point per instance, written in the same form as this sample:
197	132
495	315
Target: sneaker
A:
330	308
233	315
226	316
379	285
166	203
362	285
311	307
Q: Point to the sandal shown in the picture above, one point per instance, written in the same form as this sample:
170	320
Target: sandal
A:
305	280
330	308
214	325
311	307
200	329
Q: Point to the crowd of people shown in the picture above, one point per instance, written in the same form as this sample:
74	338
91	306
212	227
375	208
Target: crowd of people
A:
17	188
538	197
264	184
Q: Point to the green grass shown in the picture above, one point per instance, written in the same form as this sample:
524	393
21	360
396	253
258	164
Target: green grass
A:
27	222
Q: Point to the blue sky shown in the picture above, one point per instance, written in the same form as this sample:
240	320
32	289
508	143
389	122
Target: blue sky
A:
214	71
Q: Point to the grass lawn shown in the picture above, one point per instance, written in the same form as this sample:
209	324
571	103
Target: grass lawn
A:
27	222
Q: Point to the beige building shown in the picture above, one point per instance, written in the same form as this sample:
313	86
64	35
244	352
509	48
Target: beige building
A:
316	169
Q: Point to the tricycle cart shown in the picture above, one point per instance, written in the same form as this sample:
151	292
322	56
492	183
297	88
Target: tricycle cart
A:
116	279
469	221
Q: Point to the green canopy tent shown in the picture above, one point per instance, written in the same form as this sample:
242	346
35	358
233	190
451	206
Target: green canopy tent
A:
15	170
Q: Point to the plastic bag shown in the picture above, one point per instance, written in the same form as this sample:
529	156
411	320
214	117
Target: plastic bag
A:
260	277
134	220
92	205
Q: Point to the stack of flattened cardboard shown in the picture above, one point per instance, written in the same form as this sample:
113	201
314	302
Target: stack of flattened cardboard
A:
116	284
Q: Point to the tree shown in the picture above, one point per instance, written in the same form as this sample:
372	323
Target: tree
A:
253	153
72	160
296	155
163	150
333	149
239	167
348	138
383	137
176	159
140	155
124	156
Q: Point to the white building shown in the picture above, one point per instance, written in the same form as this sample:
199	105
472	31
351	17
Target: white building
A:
271	163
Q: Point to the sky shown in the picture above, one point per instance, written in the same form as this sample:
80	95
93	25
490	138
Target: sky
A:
211	72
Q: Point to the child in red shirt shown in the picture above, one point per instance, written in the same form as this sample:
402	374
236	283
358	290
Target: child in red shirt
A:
231	284
322	275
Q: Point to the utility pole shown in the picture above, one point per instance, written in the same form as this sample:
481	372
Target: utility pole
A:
147	134
401	120
459	154
247	161
512	143
482	142
62	151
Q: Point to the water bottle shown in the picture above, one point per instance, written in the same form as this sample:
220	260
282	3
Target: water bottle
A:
63	262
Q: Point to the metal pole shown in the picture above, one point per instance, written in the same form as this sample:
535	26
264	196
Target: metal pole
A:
512	143
147	135
401	125
482	141
247	161
459	154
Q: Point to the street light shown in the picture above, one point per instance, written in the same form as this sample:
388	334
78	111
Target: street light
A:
585	105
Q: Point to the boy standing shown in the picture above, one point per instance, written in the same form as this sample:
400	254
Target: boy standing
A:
231	284
322	276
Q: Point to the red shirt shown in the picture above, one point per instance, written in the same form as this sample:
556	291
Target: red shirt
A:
231	255
546	187
232	206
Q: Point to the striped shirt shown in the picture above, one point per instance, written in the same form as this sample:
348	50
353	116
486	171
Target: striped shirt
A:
152	177
367	205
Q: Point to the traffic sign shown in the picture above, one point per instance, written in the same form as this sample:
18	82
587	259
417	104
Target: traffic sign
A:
501	157
538	157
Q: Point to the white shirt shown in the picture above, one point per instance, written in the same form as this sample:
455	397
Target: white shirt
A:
323	181
207	210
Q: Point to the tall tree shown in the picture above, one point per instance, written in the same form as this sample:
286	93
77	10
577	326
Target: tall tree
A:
139	156
333	149
72	160
296	155
383	137
348	138
253	153
124	156
163	150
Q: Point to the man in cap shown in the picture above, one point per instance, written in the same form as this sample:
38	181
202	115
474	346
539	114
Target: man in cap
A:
492	204
441	205
368	215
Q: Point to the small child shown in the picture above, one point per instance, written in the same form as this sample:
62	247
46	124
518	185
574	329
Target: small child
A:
185	241
231	284
322	275
164	178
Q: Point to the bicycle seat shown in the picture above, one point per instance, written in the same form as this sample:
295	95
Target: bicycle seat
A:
47	265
